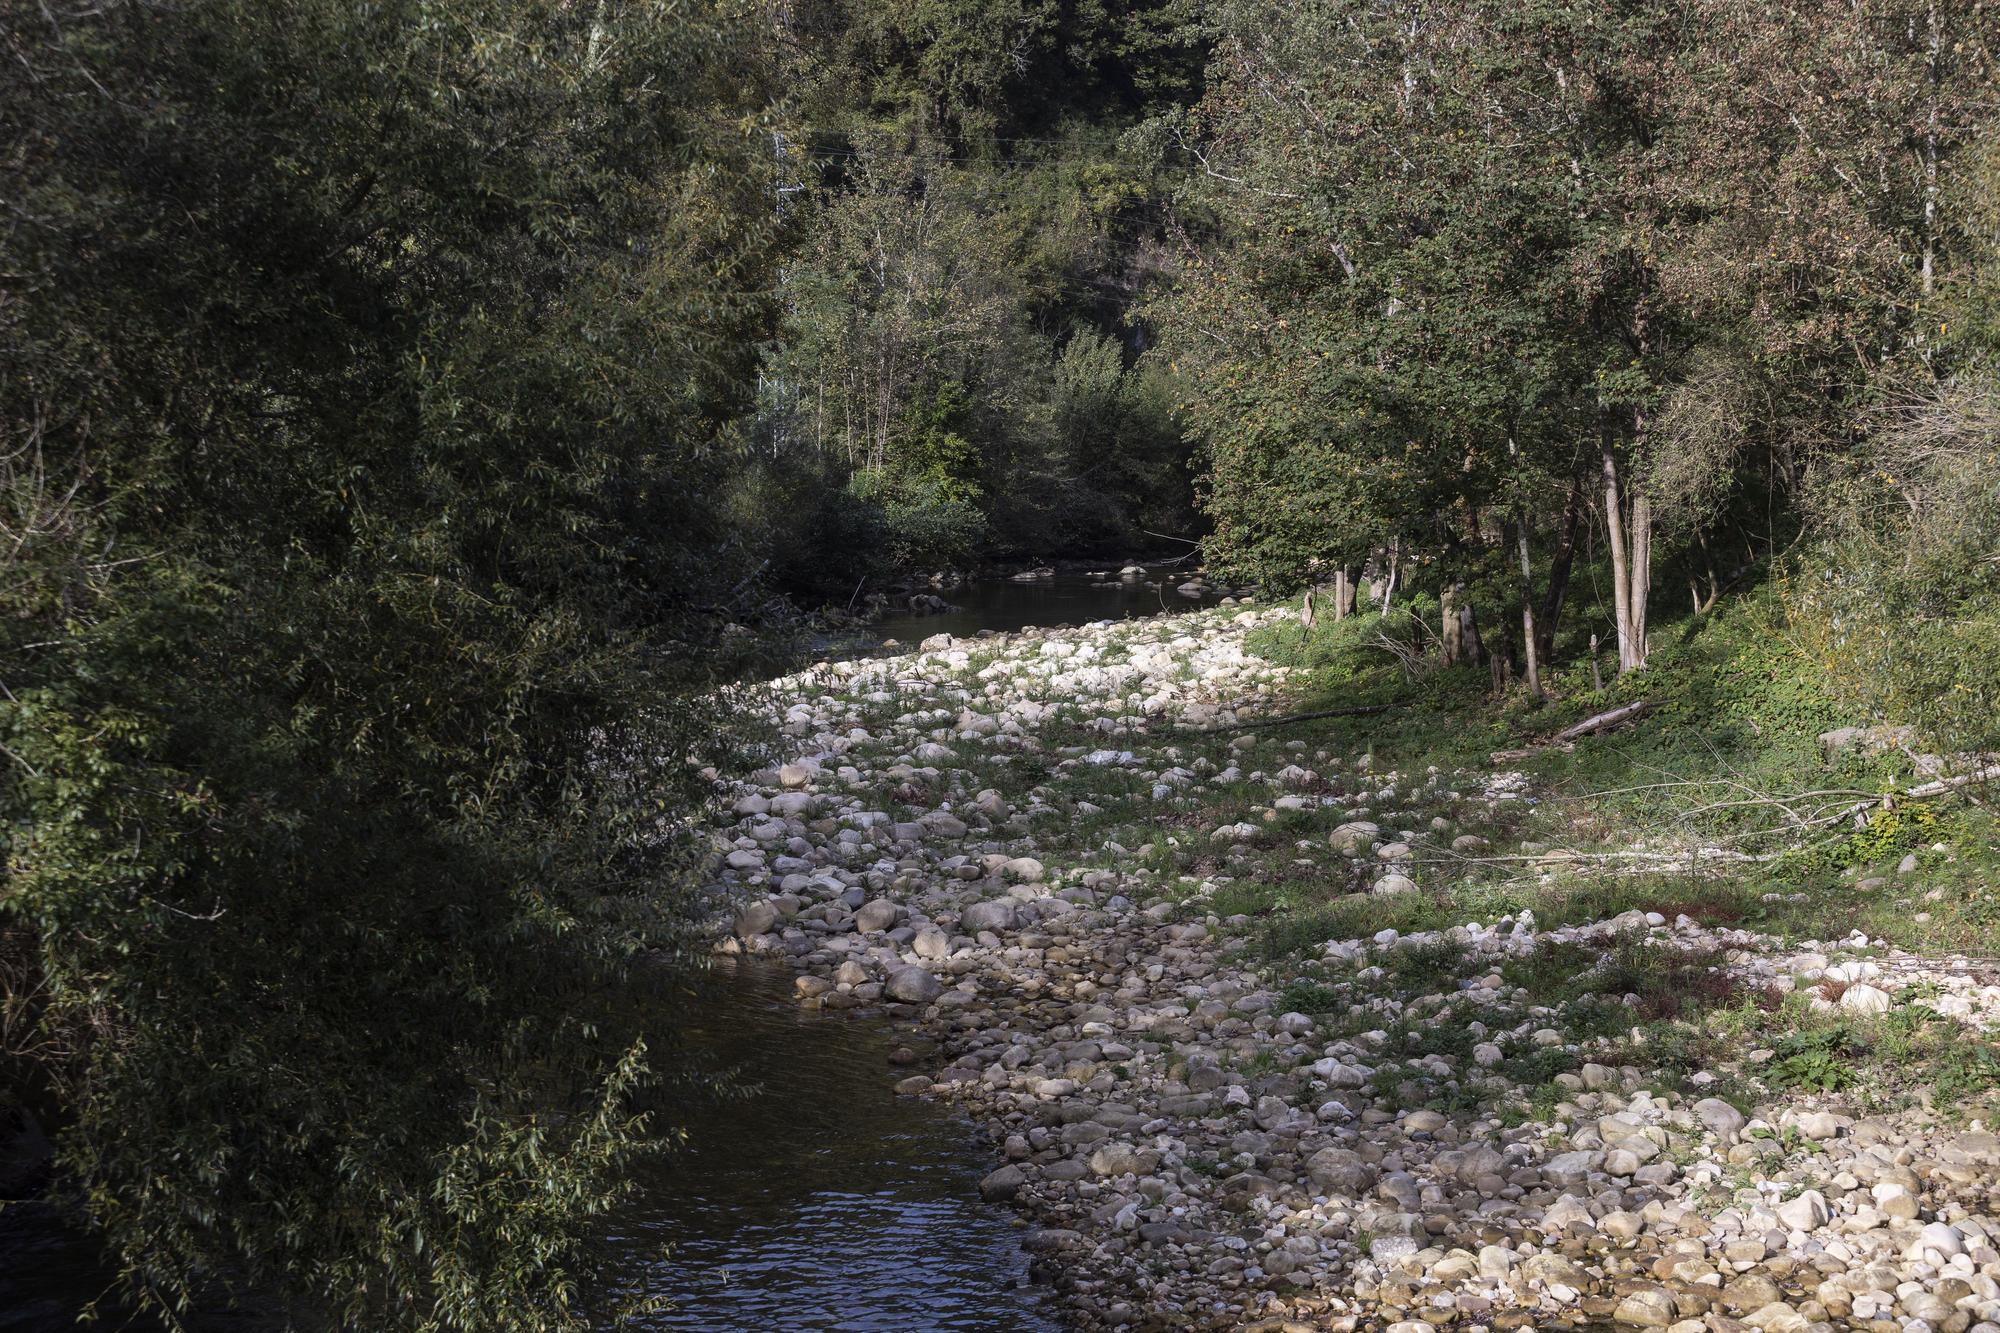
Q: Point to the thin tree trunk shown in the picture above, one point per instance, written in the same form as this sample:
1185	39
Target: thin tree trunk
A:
1641	573
1933	76
1621	563
1528	639
1389	582
1560	565
1629	524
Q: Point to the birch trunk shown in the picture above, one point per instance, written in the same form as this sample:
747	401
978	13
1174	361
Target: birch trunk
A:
1630	528
1530	651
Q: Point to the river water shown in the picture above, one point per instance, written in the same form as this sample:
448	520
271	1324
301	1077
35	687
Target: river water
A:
816	1200
1071	596
822	1200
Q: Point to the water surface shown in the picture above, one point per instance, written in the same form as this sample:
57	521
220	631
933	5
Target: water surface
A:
1072	596
823	1201
819	1201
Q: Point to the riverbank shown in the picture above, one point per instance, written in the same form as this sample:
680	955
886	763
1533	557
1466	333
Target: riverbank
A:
1269	1032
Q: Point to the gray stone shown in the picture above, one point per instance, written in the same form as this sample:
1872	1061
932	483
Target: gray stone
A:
1720	1117
1003	1184
877	915
755	919
913	985
997	916
1649	1307
1805	1213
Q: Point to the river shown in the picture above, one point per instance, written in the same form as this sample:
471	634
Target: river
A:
818	1200
1070	596
822	1200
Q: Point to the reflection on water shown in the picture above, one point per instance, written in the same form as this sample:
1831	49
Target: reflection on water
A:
1070	597
821	1202
49	1275
824	1201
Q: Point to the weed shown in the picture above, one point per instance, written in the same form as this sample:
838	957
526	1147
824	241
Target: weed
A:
1819	1060
1311	997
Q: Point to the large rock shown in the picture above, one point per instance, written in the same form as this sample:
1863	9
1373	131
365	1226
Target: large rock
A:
1341	1171
1122	1159
1003	1184
1805	1213
1721	1119
880	914
913	985
1354	836
1026	869
997	916
1942	1237
1648	1307
756	919
1865	999
943	824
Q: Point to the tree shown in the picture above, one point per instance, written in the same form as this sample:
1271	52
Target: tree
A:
1439	260
371	368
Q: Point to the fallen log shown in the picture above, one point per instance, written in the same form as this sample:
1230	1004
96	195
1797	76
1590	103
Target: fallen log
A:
1592	725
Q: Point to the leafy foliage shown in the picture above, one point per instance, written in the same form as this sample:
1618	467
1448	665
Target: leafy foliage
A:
1443	270
982	204
368	365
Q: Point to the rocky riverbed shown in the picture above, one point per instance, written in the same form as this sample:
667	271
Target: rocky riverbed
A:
1026	845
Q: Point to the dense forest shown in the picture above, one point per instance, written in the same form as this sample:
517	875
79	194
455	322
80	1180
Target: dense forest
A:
408	405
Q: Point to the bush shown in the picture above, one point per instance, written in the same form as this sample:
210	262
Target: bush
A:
367	377
925	523
1900	601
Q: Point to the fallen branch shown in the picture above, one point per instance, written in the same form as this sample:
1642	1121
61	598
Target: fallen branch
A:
1591	725
1921	792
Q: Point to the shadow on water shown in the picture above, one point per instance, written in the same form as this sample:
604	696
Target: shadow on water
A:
815	1201
818	1201
1068	597
822	1201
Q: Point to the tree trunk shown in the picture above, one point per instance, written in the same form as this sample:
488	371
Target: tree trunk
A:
1530	651
1629	526
1560	565
1641	574
1389	581
1469	642
1343	593
1448	626
1460	626
1933	73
